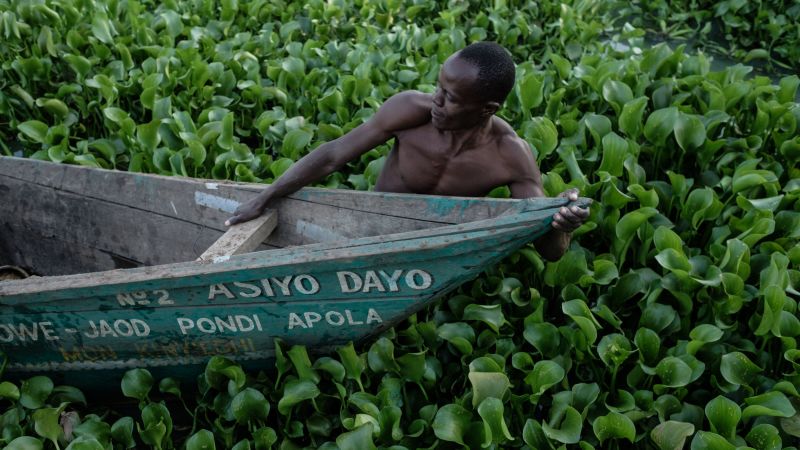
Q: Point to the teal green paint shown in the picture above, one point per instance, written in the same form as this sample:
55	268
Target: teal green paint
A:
346	292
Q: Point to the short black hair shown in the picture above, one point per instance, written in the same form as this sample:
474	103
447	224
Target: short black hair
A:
496	72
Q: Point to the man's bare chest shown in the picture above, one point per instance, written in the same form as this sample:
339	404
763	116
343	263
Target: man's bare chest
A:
429	164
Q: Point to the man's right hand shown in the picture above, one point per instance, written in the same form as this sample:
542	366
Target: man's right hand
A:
248	210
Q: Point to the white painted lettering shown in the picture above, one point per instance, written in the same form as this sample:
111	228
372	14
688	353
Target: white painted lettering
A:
425	279
94	332
392	280
140	327
350	320
312	318
345	280
334	318
372	316
249	290
222	324
125	300
123	328
283	284
205	325
258	322
185	324
296	321
47	331
242	320
300	284
7	335
163	297
371	281
267	288
217	289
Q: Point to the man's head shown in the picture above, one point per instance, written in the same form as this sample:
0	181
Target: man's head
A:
473	84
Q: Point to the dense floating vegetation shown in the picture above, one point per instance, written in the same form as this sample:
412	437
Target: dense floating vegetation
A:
672	319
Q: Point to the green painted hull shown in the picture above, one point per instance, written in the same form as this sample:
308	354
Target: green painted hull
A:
173	317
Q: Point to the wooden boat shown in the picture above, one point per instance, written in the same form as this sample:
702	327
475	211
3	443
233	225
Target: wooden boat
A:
120	285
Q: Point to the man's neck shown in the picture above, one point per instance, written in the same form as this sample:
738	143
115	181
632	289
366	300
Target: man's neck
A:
470	137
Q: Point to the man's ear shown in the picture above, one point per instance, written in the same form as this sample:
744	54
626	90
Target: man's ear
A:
490	108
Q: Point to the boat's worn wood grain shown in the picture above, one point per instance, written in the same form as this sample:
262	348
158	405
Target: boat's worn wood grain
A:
242	238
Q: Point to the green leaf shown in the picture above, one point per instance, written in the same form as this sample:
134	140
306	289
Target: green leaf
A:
772	404
35	391
201	440
764	437
665	238
531	91
46	423
614	426
452	423
137	383
358	439
649	344
491	315
544	375
533	435
704	440
542	134
295	142
102	29
617	93
671	435
674	372
353	364
122	432
296	391
494	425
737	368
249	405
723	415
614	349
660	124
615	150
631	117
542	335
279	166
24	443
9	391
34	130
689	132
381	356
488	384
569	430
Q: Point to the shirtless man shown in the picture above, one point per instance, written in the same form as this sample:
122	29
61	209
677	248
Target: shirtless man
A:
448	143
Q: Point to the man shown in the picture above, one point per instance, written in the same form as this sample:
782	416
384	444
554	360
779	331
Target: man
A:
448	143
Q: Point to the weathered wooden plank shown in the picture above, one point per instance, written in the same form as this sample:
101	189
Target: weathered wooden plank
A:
242	238
108	227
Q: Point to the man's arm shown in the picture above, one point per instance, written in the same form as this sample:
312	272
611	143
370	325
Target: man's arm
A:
404	110
527	182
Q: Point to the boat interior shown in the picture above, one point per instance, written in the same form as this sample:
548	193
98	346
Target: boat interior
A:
58	219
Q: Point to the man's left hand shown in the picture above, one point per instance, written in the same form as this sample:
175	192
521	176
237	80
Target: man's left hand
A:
569	218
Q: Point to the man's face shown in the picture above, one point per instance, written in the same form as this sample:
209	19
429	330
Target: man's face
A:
456	104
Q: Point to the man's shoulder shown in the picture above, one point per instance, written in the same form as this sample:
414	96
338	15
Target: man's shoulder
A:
508	140
406	109
410	98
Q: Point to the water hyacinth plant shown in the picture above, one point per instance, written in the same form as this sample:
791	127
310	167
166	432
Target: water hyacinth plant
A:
670	323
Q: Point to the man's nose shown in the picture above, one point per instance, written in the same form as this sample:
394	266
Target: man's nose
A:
438	98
